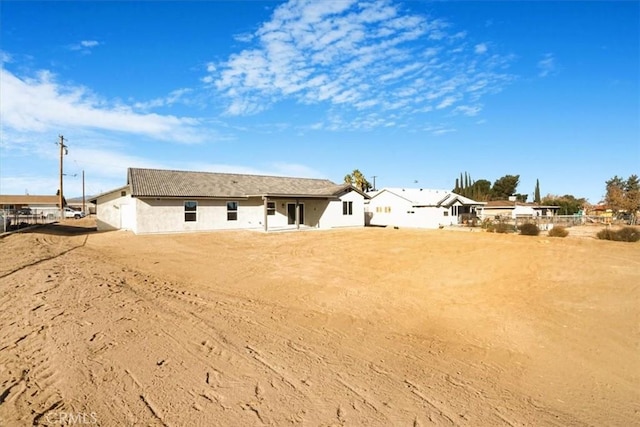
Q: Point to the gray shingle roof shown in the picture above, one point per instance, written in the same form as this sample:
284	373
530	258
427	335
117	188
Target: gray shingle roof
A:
171	183
428	197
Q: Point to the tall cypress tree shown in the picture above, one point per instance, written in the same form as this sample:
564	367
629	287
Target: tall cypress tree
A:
536	196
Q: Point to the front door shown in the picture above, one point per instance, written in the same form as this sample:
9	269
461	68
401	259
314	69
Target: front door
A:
291	213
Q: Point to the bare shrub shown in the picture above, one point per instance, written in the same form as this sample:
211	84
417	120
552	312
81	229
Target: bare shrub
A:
529	229
626	234
558	231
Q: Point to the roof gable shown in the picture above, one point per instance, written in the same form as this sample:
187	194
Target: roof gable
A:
172	183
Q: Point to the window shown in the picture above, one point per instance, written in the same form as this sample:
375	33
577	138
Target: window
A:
190	211
123	193
271	208
445	213
387	209
347	208
232	211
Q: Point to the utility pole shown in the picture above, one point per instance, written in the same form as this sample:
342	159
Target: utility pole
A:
63	151
83	202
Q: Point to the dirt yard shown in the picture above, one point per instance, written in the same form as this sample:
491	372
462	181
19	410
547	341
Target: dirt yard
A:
374	327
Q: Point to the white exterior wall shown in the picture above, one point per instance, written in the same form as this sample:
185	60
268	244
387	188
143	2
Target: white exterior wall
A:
168	215
334	217
110	211
379	209
434	217
403	214
156	215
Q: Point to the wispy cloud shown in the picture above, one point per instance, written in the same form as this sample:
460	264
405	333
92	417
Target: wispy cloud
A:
5	57
546	65
42	104
360	57
104	159
243	37
480	48
84	46
176	96
468	110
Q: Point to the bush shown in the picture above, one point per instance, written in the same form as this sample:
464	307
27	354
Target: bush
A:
626	234
529	229
629	234
606	234
558	231
502	227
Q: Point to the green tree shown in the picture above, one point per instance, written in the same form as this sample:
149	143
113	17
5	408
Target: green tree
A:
536	194
568	204
521	197
477	190
632	191
614	197
482	190
357	179
624	195
504	187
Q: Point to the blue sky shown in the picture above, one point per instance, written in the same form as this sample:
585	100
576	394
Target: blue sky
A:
412	92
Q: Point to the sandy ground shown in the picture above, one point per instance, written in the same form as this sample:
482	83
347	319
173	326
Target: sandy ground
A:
372	326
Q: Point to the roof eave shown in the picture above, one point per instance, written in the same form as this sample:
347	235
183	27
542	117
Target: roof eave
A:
183	197
296	196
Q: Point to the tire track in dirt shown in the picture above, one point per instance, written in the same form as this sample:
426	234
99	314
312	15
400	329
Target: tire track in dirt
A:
169	291
38	388
170	315
41	260
153	350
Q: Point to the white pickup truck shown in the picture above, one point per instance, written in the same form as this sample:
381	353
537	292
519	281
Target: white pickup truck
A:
70	213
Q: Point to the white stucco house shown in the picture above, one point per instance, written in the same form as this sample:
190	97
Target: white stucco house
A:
169	201
419	208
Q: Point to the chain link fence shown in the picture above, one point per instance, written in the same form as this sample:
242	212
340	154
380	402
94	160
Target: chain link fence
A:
16	219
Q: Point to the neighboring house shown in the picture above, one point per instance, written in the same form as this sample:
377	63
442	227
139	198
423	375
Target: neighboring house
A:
167	201
600	211
37	205
515	209
78	204
419	208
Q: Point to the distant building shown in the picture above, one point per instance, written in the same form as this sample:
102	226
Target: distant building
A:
515	209
419	208
47	206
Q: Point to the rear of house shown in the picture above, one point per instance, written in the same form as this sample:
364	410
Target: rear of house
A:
162	201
